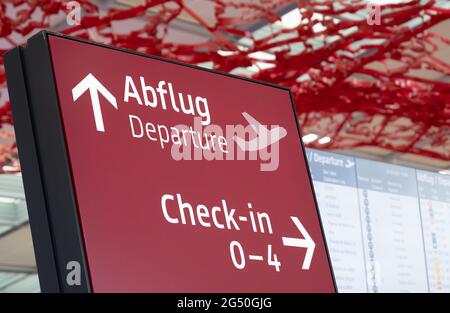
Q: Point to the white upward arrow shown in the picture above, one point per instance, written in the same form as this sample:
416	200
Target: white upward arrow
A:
307	243
95	87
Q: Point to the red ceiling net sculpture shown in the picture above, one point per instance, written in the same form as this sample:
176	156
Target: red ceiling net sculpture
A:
381	85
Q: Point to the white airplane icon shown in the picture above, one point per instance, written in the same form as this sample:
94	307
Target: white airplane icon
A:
264	136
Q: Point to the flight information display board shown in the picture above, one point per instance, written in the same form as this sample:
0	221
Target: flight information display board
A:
387	226
337	195
391	227
434	192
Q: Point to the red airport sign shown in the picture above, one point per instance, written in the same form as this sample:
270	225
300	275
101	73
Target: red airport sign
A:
147	175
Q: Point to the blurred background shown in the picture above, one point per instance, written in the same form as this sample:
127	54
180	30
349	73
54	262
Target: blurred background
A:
370	80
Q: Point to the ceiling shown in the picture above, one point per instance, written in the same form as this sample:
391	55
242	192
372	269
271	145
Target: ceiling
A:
206	10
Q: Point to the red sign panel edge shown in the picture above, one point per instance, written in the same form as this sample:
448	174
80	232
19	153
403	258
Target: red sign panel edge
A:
57	236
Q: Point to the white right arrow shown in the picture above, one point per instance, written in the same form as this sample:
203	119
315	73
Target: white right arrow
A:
349	164
307	243
95	87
